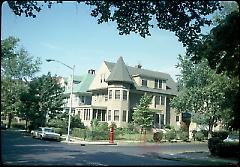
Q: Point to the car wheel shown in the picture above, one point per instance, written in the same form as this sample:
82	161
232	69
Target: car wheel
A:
41	137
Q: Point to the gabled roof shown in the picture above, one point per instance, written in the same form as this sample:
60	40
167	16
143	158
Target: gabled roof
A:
82	85
119	72
133	71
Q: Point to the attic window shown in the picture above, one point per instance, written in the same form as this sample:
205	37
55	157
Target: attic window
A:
144	82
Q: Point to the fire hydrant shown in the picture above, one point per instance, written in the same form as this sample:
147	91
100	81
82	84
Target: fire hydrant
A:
111	135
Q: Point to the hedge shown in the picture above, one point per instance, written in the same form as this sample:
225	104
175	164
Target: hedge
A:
228	149
199	136
221	134
224	149
158	136
212	144
170	135
183	135
91	134
18	125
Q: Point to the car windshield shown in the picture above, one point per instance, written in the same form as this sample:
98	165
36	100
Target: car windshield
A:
48	130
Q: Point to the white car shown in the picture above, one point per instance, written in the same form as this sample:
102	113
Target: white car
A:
45	133
232	138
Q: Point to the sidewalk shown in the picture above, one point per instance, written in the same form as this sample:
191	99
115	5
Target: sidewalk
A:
76	140
199	158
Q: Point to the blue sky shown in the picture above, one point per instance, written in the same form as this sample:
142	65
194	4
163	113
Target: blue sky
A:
68	33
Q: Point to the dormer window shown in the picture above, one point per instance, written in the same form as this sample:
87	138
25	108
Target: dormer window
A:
144	82
158	83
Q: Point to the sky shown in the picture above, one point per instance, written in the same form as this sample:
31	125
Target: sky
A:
68	33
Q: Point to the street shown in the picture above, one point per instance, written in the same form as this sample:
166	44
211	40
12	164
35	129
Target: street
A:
19	149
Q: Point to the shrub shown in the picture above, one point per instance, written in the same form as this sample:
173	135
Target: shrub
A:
131	129
194	134
57	123
113	124
199	136
205	133
221	134
168	127
60	130
82	133
18	125
76	122
158	136
170	135
183	135
212	144
94	123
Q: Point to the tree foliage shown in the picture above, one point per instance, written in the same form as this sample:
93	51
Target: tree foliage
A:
204	93
221	46
143	116
228	8
17	67
44	98
16	63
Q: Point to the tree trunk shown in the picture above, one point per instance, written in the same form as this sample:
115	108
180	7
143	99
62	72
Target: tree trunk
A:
210	127
26	125
10	116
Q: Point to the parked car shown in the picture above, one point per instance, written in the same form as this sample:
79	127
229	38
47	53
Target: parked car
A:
232	138
45	133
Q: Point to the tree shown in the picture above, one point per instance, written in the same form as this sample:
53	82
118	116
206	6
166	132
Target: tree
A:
228	8
203	93
221	49
17	67
45	99
76	122
143	116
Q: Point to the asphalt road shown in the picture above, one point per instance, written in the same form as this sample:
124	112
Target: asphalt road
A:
19	149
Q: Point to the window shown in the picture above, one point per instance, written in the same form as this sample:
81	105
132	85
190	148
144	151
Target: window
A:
116	115
103	115
124	95
84	112
157	100
101	78
94	113
162	120
110	94
177	118
109	115
99	115
106	97
162	100
82	99
124	115
144	82
117	94
158	83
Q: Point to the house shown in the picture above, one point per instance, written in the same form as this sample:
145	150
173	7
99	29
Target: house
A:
80	95
117	88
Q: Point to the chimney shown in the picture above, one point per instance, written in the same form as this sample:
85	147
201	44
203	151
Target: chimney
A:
138	66
91	71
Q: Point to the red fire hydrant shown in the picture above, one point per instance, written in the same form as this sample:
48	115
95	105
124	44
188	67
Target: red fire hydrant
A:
111	135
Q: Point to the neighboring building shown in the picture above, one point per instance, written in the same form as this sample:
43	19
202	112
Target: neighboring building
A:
116	90
80	86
